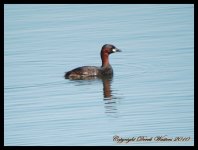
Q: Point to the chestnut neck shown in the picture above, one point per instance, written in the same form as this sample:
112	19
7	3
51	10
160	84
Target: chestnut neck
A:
105	59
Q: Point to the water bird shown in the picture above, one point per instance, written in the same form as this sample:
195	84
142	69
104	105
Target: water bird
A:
105	70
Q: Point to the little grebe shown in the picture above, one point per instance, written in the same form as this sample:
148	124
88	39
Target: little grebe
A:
93	71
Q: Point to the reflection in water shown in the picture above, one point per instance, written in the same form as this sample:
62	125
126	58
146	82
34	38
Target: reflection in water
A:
107	92
107	88
110	108
109	99
105	80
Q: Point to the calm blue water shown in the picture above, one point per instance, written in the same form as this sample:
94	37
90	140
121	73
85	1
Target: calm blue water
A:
151	94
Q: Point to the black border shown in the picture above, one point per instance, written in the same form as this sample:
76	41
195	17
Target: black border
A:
101	2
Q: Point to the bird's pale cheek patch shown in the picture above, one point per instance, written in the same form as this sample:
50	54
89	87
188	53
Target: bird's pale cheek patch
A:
114	50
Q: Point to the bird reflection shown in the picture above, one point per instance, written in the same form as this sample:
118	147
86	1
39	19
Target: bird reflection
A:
107	88
108	98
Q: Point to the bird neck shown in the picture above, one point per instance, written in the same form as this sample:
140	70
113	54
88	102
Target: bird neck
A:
105	59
